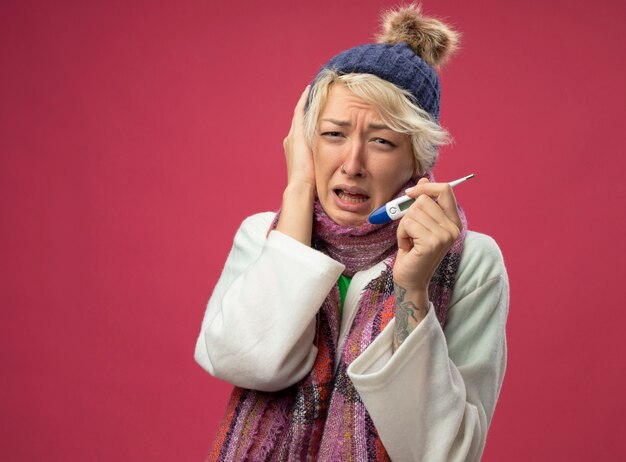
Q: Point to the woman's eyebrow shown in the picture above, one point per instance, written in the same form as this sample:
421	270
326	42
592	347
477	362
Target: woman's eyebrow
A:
346	123
341	123
379	127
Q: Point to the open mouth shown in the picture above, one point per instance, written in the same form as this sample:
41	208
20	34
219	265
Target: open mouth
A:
350	197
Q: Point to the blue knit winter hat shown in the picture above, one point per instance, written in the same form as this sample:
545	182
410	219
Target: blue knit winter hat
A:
409	47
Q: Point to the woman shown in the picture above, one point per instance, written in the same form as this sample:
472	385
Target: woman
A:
352	341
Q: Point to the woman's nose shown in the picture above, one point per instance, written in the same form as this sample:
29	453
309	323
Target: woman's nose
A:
353	164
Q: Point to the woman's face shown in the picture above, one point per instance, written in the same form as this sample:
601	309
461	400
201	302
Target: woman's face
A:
360	164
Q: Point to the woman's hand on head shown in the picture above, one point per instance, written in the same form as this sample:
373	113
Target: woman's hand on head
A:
425	234
296	216
298	155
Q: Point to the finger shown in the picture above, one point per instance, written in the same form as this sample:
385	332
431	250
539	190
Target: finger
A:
413	191
424	243
298	116
422	212
302	101
297	121
443	196
410	231
432	209
426	211
404	240
422	226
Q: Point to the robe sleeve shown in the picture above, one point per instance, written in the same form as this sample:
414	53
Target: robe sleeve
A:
433	399
259	325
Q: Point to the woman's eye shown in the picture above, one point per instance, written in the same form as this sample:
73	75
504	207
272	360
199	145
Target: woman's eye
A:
383	142
331	134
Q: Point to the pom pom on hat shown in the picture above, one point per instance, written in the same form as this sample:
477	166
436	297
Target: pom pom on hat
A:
429	38
409	48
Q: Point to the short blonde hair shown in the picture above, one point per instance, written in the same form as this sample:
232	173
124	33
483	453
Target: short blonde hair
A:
397	109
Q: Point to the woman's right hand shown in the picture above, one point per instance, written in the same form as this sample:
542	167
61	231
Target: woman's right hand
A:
296	215
298	155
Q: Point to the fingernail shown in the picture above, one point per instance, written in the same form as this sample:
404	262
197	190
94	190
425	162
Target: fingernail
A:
408	190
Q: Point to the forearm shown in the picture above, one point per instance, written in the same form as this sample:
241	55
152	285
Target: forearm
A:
418	399
296	215
411	308
442	389
259	326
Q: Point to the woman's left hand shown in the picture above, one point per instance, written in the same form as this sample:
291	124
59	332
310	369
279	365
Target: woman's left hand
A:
425	234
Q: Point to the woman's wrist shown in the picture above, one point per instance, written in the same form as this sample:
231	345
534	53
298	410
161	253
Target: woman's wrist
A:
301	189
412	306
296	215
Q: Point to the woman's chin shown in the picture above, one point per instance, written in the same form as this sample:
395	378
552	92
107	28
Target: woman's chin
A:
346	218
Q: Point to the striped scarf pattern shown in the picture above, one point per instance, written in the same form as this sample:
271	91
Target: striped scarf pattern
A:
322	417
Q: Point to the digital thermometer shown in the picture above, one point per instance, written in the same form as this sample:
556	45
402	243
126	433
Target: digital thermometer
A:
396	209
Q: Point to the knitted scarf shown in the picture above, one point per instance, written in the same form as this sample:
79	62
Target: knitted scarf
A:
322	417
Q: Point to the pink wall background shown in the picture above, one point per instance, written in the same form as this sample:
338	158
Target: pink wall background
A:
125	125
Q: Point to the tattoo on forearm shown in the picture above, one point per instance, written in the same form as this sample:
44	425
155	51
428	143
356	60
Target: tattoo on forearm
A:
404	310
